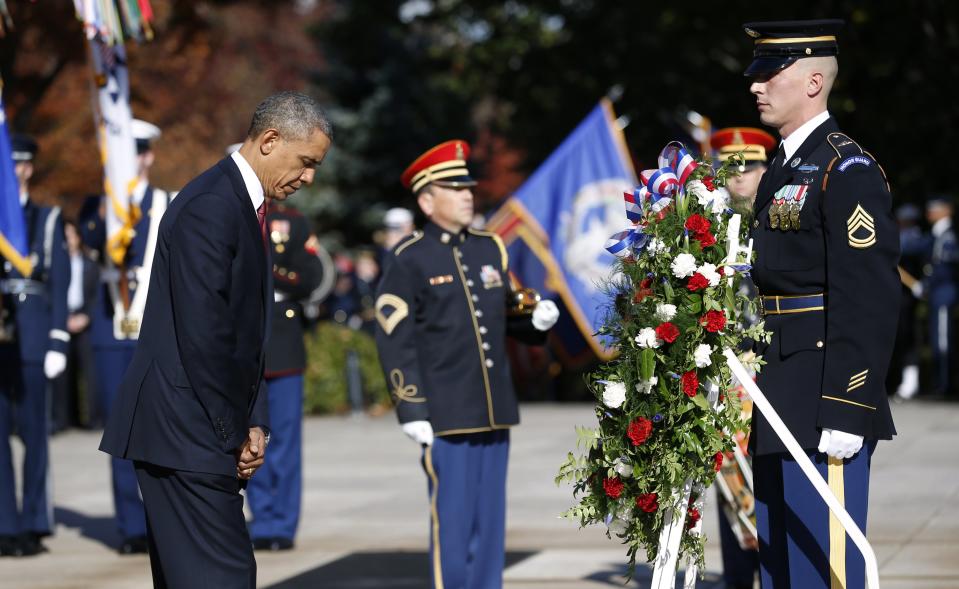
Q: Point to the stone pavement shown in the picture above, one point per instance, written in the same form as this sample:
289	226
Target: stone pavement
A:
364	519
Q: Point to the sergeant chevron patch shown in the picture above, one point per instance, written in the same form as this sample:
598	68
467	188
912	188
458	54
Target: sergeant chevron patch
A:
862	222
388	320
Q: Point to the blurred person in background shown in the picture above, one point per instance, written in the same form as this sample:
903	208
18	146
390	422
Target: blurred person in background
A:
366	276
274	495
74	397
397	224
903	377
755	145
941	288
115	329
33	350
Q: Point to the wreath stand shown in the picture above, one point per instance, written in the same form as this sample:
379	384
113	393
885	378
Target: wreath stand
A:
665	565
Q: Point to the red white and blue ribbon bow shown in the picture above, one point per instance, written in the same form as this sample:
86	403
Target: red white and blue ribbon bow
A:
657	189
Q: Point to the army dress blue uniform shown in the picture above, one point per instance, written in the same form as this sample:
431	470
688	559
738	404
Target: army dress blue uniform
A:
34	315
274	494
114	338
827	249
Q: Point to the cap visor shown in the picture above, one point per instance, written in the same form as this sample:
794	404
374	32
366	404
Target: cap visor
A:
768	65
456	182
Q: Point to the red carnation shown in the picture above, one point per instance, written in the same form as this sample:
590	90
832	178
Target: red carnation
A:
613	487
708	182
713	321
718	461
690	383
667	332
643	291
705	239
648	502
639	430
697	224
697	282
693	517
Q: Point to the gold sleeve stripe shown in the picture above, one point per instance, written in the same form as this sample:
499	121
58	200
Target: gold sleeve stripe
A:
858	374
850	402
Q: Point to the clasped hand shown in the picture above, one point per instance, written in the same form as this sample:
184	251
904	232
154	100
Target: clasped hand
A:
250	455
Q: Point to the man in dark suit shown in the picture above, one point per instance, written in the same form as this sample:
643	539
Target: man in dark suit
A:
827	249
191	411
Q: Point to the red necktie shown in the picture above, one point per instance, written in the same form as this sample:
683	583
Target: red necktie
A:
261	217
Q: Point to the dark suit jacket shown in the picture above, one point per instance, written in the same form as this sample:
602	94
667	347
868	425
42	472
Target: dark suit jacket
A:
195	384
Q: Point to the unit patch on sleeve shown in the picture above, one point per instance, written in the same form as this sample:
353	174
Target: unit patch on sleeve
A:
861	229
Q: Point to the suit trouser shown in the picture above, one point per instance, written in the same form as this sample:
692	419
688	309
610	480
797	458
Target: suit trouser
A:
275	492
940	334
801	545
24	405
467	485
112	363
196	530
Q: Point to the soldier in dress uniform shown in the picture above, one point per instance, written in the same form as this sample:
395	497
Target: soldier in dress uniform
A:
444	307
274	494
33	345
116	318
942	288
827	249
740	564
914	245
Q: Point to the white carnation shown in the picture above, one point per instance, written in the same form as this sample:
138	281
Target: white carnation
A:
656	246
720	200
665	311
729	270
684	265
614	394
709	273
644	386
647	338
702	355
698	189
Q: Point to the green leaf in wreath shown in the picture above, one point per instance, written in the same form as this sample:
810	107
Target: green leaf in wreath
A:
701	402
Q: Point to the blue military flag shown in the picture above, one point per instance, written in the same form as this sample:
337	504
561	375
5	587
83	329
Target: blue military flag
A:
13	227
556	225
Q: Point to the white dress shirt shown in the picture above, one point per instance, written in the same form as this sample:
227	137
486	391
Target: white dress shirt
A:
253	186
792	143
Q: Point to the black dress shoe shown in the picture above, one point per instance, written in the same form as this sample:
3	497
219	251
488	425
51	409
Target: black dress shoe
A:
30	545
272	544
9	546
134	545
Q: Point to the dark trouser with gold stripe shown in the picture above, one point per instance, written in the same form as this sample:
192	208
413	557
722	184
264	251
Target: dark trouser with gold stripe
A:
801	545
467	485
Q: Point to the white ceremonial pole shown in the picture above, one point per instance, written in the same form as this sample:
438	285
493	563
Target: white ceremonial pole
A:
762	403
664	567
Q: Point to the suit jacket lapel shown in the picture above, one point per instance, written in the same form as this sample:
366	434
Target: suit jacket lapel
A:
778	175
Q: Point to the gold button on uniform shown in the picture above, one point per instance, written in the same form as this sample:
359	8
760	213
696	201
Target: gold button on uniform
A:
819	344
290	313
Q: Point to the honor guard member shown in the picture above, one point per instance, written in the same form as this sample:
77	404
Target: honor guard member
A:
443	312
33	345
274	494
942	288
827	249
115	326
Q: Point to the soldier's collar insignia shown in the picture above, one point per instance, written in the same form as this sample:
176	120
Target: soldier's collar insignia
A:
445	237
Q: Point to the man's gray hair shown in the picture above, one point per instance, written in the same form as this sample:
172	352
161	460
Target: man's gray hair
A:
293	114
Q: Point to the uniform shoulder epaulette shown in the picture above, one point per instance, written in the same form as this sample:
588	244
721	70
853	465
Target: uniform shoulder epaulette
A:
407	242
848	154
499	243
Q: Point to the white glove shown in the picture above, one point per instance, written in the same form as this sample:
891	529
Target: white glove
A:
839	444
54	363
420	432
545	315
917	289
